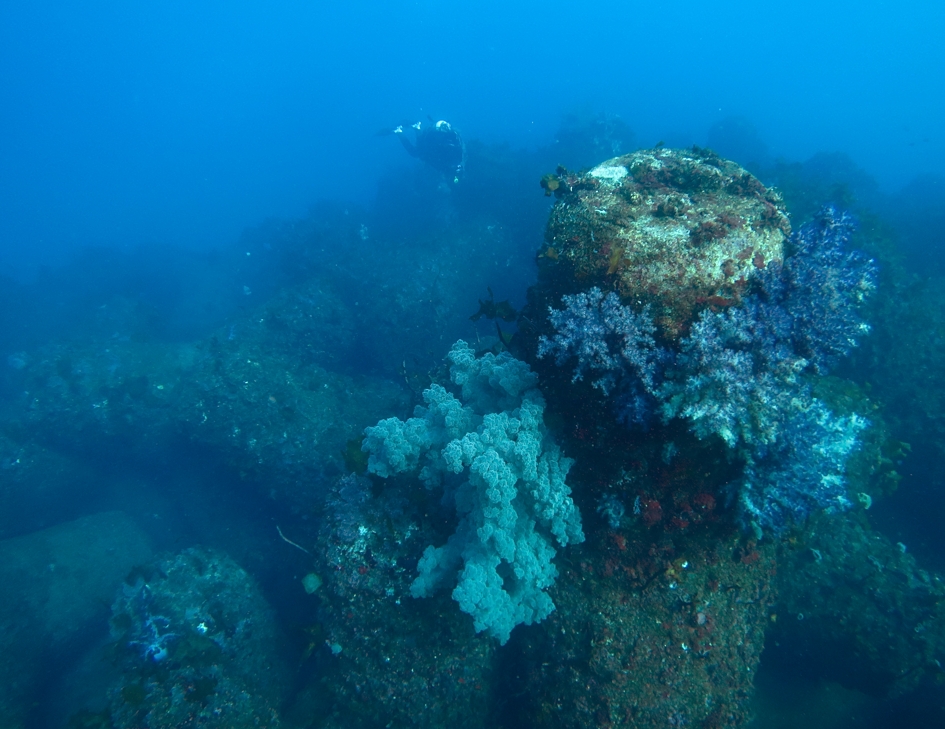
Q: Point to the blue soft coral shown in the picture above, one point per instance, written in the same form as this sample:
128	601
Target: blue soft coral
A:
820	288
514	501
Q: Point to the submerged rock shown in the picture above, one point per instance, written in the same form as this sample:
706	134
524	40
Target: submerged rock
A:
662	279
56	587
198	646
383	657
861	610
255	394
651	634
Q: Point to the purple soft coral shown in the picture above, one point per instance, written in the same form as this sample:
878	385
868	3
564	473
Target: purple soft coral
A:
613	343
820	288
608	339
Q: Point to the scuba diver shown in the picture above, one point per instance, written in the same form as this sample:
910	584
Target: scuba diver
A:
439	145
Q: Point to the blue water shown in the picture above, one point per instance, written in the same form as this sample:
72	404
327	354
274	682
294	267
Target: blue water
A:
185	123
218	265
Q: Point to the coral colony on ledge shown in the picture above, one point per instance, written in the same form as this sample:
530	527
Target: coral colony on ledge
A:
740	372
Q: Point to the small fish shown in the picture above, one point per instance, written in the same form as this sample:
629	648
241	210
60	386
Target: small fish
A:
549	183
492	309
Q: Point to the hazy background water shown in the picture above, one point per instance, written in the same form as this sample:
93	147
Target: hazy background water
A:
183	122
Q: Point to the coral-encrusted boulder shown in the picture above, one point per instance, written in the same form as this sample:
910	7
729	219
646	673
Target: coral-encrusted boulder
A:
650	635
678	229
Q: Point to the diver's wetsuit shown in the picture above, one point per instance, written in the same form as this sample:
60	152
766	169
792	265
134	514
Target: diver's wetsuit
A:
440	146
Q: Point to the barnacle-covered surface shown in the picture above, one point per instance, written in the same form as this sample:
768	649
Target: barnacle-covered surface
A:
679	229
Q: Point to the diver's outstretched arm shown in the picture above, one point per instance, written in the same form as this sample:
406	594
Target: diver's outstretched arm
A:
408	145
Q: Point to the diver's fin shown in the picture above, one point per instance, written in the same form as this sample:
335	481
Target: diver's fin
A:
398	129
387	131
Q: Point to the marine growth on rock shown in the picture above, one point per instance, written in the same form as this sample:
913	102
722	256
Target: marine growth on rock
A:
678	229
